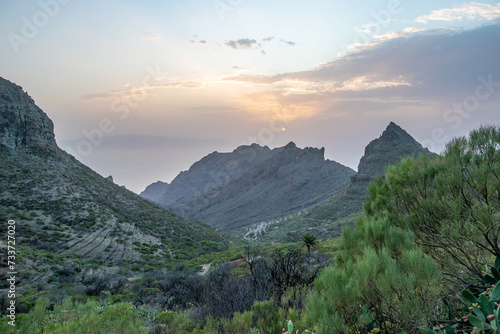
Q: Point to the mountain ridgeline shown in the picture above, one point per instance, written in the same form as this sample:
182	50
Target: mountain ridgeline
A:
206	174
67	214
252	184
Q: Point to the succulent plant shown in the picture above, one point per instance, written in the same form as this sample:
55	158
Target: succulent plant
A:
483	307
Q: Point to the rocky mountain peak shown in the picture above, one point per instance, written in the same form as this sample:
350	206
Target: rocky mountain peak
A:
393	144
12	93
24	127
394	133
254	148
291	149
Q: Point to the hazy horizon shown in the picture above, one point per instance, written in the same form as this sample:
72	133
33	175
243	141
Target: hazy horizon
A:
119	77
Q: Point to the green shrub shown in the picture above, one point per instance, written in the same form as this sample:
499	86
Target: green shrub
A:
451	204
381	280
75	318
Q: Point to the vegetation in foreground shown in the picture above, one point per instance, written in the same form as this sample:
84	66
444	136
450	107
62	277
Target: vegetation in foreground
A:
423	258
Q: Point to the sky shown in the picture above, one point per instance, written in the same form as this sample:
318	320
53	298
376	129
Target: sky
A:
141	90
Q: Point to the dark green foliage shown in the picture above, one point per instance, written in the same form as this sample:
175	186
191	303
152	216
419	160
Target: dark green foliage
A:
98	283
380	280
181	287
309	241
448	206
451	203
75	318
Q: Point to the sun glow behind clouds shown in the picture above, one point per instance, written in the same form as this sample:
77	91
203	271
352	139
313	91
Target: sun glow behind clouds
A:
364	83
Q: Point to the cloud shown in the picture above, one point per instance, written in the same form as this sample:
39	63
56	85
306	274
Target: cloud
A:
367	28
150	36
421	69
202	42
430	65
366	41
253	44
289	43
469	12
243	43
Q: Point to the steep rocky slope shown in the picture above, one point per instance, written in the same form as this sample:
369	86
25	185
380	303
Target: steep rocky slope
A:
254	184
66	214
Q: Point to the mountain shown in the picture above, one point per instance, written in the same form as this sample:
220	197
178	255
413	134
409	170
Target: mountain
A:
393	145
155	191
252	184
326	218
211	171
67	215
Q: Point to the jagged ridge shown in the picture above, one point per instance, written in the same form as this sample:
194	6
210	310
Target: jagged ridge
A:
253	184
206	174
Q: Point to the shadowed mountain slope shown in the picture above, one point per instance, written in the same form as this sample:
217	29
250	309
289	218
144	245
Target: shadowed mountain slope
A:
393	145
254	184
64	210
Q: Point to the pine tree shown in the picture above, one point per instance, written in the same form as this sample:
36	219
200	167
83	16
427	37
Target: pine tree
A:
381	279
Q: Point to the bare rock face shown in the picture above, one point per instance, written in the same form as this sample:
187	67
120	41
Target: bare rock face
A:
24	127
155	191
393	145
251	184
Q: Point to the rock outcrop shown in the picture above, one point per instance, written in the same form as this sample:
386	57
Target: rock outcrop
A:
211	171
393	145
23	126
